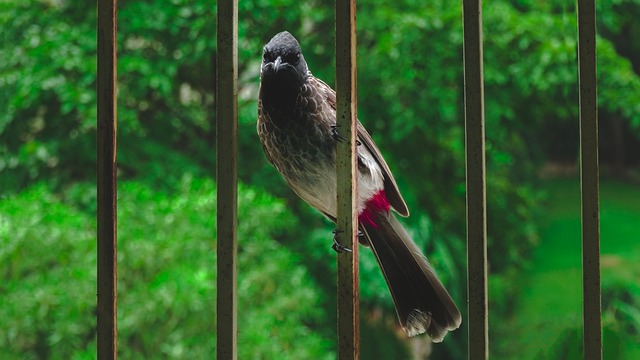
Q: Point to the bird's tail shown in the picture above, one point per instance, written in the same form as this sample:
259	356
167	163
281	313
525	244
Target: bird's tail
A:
422	302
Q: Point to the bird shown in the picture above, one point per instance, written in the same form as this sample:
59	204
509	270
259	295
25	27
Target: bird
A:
297	129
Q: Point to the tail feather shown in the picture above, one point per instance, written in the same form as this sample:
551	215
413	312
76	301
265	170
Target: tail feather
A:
422	302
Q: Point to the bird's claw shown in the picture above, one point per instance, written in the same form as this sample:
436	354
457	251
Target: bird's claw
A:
335	135
336	245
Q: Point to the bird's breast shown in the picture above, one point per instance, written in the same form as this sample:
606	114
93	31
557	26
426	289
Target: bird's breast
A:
300	143
295	143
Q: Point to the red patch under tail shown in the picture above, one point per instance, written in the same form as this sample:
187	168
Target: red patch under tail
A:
378	203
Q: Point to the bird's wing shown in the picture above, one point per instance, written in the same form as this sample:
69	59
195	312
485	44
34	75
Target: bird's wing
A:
390	185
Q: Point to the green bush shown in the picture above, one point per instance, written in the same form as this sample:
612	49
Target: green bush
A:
410	78
166	276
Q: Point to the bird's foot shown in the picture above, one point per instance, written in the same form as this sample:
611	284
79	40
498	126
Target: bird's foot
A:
336	245
337	137
335	134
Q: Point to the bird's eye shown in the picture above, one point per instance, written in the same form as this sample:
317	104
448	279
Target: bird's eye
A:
266	55
293	58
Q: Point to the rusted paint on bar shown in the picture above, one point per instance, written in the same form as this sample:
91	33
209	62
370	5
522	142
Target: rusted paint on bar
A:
476	184
348	274
592	336
227	178
106	180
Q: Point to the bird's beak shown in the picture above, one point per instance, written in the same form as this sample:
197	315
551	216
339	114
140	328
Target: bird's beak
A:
277	63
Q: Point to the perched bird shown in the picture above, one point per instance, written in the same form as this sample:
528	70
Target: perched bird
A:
297	129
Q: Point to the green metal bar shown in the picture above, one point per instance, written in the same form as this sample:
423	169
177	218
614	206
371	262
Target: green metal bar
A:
592	335
106	181
348	271
476	182
227	178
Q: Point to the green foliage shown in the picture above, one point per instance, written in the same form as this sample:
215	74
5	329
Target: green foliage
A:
166	279
47	109
621	301
45	244
410	98
546	319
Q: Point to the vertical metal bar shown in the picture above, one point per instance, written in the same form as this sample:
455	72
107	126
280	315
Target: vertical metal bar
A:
227	177
106	180
476	184
592	335
348	271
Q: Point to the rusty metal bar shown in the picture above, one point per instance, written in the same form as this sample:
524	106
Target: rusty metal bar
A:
592	335
227	178
476	182
106	180
348	271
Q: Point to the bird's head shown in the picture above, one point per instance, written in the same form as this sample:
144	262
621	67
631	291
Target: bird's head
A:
282	61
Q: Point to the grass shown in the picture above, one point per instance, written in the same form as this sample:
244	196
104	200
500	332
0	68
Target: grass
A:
547	321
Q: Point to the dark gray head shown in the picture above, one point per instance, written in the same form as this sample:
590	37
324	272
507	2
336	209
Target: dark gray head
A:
282	61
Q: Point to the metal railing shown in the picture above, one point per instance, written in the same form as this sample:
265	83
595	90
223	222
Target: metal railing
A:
592	309
477	293
227	177
347	191
226	116
106	180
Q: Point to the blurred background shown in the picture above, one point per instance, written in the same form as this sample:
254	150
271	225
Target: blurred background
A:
411	101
